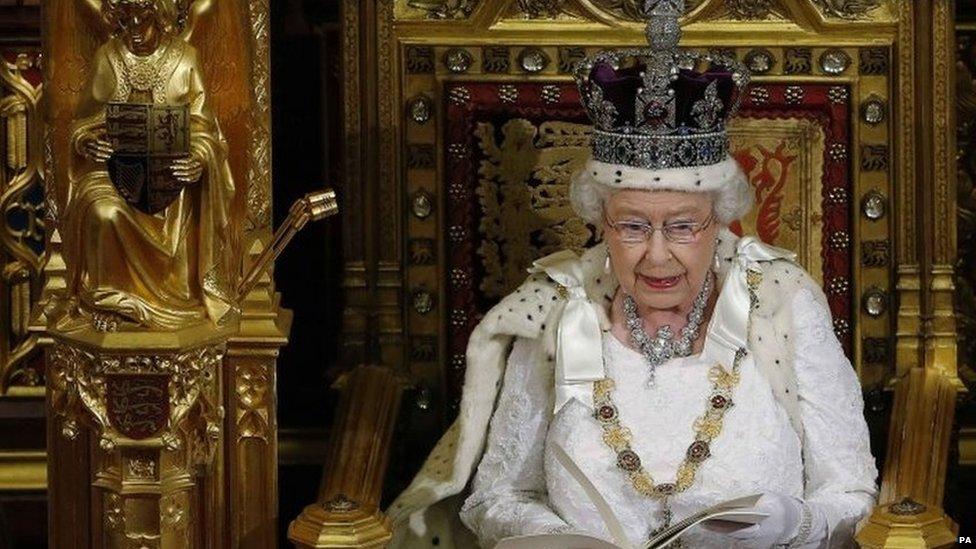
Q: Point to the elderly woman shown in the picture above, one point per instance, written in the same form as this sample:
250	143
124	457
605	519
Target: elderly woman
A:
677	365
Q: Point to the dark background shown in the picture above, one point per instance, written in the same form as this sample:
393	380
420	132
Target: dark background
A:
306	134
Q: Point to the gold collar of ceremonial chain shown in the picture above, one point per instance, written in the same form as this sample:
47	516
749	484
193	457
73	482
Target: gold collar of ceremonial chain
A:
707	427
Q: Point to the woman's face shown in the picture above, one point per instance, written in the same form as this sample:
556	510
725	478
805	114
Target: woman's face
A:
660	274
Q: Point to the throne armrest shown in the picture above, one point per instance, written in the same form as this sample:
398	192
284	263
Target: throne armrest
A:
909	513
347	511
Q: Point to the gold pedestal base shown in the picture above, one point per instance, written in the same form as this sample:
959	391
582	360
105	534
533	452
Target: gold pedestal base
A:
339	523
907	525
135	424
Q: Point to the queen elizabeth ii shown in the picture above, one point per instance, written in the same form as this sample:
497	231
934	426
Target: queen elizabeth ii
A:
677	365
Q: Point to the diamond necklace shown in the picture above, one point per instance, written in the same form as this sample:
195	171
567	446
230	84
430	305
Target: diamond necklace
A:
663	347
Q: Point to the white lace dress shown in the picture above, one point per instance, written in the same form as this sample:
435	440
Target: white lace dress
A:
519	488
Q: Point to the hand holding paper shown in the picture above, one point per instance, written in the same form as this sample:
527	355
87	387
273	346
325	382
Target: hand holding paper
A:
784	515
742	510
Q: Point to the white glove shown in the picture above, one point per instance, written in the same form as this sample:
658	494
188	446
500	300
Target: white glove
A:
778	529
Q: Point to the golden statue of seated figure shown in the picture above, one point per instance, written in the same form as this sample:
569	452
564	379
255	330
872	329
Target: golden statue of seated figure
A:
167	265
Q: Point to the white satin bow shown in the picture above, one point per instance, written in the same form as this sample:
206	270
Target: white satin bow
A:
579	339
579	343
729	327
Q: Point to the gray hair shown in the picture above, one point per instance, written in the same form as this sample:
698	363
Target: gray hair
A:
588	196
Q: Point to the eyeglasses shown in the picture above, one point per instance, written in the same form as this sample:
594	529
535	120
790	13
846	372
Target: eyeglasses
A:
682	232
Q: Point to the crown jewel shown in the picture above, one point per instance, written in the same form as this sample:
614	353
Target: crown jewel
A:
660	107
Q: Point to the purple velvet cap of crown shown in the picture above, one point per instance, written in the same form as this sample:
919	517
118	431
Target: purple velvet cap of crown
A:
620	87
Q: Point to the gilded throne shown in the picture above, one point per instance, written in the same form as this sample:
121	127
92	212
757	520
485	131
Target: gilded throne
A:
481	129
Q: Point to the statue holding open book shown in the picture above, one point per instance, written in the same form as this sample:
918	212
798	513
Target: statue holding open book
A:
148	228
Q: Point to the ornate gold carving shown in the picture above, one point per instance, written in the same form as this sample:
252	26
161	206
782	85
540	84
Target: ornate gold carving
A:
749	9
142	467
847	9
23	215
346	512
113	514
173	513
387	102
143	78
166	484
906	130
105	391
632	9
944	179
340	504
253	395
82	389
445	9
259	165
541	8
798	61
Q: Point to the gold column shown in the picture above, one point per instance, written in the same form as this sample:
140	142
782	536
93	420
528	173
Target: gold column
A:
252	445
347	513
22	465
134	426
207	478
913	480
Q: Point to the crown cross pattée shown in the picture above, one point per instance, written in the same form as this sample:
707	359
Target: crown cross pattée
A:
655	100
